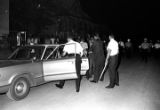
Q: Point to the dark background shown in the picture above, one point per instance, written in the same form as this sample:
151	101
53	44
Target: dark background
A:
4	17
126	18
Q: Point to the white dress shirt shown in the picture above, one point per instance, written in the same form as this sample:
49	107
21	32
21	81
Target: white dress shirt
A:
73	47
113	46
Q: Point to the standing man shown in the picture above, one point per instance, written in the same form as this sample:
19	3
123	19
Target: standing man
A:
128	46
112	59
157	48
145	50
73	48
91	59
98	57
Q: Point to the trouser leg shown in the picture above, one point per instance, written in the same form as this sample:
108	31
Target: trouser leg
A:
146	56
90	71
143	55
114	78
90	67
78	70
117	78
111	77
98	71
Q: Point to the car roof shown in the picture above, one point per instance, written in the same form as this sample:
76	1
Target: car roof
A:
42	45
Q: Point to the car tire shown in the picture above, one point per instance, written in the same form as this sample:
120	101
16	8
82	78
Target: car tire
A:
19	89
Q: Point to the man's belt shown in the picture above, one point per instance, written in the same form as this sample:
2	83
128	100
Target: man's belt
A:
114	55
73	54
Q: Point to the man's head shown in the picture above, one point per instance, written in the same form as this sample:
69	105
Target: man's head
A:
69	38
96	36
145	39
128	40
111	36
82	39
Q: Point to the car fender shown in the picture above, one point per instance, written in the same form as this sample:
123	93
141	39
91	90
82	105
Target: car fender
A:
28	76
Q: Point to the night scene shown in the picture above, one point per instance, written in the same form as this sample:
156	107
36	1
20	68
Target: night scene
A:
79	54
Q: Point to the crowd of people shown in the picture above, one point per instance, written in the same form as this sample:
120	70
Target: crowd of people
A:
101	53
146	49
95	50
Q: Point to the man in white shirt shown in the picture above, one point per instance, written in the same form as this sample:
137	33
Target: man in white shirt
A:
73	48
112	59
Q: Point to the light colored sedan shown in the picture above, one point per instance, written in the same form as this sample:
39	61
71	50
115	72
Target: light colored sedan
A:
30	66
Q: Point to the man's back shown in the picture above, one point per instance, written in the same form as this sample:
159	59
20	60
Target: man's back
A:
98	50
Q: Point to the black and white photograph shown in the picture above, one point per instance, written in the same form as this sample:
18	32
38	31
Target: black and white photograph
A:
79	55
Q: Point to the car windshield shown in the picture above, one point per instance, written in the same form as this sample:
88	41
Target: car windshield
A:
28	53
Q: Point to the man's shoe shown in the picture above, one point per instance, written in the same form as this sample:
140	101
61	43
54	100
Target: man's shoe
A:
101	79
109	87
117	84
88	77
77	90
93	81
59	86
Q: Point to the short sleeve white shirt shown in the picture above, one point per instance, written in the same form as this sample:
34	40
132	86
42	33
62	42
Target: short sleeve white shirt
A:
73	47
113	46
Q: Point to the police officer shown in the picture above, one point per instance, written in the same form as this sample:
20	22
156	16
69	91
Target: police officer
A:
112	59
145	50
128	47
157	48
98	57
73	48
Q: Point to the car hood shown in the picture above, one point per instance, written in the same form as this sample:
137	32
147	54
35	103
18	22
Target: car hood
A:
5	63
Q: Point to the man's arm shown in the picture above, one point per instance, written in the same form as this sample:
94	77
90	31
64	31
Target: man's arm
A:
64	50
64	53
108	54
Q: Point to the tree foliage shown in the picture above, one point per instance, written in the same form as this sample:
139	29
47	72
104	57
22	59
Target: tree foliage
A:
36	15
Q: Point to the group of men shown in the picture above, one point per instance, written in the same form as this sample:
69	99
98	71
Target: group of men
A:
97	59
126	48
148	48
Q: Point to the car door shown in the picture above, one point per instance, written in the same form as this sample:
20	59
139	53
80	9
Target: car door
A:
84	65
58	67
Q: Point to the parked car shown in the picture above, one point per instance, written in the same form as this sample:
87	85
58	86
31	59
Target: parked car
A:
30	66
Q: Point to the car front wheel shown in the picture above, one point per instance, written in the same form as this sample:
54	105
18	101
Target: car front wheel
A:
19	89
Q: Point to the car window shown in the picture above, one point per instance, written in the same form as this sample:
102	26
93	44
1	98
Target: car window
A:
28	53
48	51
56	54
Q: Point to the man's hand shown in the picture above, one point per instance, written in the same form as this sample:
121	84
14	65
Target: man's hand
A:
106	62
64	53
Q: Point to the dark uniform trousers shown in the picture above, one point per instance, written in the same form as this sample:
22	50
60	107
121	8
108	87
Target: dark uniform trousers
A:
91	64
78	70
112	69
98	69
145	53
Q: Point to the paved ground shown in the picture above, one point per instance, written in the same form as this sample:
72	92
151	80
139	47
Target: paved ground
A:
139	90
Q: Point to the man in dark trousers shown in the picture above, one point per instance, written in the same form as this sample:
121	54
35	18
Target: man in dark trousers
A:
112	59
71	49
145	46
99	58
89	73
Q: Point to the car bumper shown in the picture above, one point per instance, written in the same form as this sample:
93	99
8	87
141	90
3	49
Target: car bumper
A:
4	89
